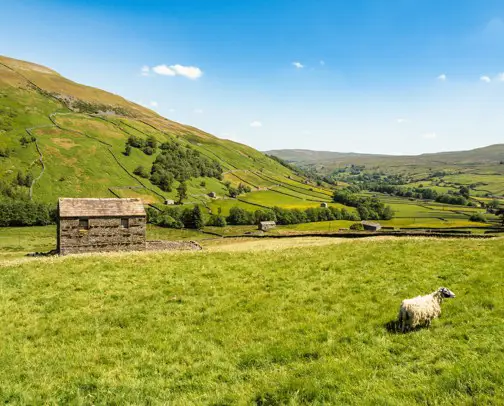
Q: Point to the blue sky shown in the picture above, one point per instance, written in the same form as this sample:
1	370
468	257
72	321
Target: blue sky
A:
395	76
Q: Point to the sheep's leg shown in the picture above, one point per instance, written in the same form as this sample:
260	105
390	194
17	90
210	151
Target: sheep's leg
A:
405	322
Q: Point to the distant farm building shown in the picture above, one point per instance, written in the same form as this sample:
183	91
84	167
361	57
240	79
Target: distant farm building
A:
266	225
169	202
96	225
212	194
371	226
324	204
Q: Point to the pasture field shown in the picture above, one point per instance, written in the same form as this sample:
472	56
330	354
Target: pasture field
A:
16	242
289	200
254	325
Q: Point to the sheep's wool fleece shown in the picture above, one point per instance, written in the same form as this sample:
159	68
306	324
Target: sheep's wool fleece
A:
422	308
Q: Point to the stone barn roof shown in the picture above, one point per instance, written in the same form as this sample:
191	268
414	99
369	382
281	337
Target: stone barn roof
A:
91	207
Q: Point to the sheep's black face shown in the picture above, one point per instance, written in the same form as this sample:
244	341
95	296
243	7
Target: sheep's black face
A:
447	293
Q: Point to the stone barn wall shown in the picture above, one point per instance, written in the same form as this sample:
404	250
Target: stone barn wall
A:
102	234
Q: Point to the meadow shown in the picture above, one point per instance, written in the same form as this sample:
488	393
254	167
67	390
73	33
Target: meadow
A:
250	324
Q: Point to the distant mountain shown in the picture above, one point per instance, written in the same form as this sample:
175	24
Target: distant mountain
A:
326	160
60	138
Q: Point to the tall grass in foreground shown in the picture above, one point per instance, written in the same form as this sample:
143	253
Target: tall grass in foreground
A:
292	326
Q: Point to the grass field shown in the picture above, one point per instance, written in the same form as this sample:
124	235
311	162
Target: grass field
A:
246	325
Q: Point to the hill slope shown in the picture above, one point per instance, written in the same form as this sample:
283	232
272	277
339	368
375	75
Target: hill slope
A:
60	138
490	155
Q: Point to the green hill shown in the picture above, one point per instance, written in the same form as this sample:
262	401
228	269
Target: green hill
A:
60	138
328	160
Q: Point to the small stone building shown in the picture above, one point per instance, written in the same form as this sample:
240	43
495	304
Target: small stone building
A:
266	225
371	226
212	195
169	202
96	225
324	204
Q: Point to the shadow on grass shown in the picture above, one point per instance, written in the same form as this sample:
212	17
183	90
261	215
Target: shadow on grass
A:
393	328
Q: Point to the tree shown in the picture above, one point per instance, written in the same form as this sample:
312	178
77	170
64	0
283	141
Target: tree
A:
141	171
181	192
152	142
217	220
147	150
494	204
127	150
464	191
24	141
238	216
198	220
135	142
478	218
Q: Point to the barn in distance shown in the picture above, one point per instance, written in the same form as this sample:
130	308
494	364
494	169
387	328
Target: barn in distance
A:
99	225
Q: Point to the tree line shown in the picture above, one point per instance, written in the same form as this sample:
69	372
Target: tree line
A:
460	198
18	213
369	208
178	217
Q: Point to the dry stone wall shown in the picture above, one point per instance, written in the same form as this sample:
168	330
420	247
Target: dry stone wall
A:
102	234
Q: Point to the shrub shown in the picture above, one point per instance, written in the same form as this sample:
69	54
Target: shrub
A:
478	218
141	171
127	150
147	150
217	221
166	220
357	227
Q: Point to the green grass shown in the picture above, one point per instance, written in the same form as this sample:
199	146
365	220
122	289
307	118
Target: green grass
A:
90	162
285	326
16	242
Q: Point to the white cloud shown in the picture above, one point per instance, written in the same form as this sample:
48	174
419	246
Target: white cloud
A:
500	77
442	77
190	72
429	136
171	110
198	111
401	120
485	79
256	124
322	63
145	70
153	103
298	65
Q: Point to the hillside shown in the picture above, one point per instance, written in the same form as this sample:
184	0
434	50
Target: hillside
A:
327	160
60	138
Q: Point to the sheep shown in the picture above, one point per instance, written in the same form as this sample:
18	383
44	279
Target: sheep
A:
422	309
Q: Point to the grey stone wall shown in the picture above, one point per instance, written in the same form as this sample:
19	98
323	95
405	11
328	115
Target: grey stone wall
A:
103	234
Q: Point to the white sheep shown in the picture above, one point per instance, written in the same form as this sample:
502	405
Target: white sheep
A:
422	309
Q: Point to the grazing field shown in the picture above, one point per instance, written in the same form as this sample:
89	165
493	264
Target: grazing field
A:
265	327
16	242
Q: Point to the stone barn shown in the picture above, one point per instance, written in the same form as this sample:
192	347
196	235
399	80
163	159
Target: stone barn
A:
96	225
371	226
324	205
266	225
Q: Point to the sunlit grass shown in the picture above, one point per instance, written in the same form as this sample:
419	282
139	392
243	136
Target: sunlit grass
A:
287	325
